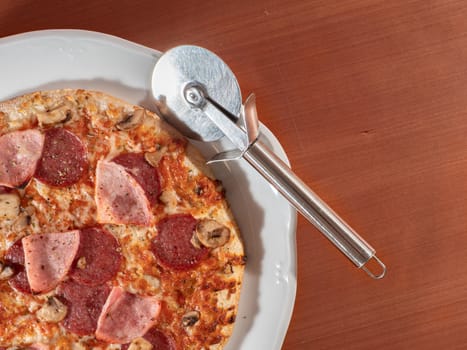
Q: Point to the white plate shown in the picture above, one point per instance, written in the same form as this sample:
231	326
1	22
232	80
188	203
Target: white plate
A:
79	59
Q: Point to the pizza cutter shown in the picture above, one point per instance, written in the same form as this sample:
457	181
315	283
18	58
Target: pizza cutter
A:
198	94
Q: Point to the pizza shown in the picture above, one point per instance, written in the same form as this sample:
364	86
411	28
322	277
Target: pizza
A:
113	232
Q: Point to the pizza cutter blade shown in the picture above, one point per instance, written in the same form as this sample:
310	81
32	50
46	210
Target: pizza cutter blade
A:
199	95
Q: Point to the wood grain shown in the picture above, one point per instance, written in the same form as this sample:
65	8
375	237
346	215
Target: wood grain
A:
369	98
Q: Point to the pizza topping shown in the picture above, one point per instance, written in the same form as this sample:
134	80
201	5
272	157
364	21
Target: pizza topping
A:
48	258
6	271
20	152
119	197
81	263
190	318
20	282
212	234
58	114
9	205
140	344
15	254
132	120
170	198
126	316
63	160
145	174
153	282
52	311
172	245
158	340
195	241
153	158
23	220
84	305
14	257
98	258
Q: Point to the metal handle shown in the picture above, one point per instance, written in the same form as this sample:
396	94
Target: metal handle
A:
312	207
282	177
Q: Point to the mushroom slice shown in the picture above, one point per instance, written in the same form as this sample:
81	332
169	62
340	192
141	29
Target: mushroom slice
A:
58	114
5	271
131	120
52	311
153	158
24	218
22	222
212	234
9	205
195	241
190	318
140	344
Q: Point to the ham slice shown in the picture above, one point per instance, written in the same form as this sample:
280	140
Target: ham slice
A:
20	152
48	258
126	316
119	197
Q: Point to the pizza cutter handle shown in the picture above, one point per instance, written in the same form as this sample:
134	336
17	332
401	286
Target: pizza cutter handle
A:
313	208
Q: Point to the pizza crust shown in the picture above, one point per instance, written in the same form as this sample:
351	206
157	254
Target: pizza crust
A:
189	186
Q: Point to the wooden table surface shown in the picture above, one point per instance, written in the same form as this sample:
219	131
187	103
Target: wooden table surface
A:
369	98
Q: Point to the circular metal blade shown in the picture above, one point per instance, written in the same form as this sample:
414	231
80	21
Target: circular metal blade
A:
185	66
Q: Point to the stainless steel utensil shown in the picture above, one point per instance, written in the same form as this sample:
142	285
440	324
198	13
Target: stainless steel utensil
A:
198	94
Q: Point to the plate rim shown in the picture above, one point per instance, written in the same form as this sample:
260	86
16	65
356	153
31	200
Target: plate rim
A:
278	148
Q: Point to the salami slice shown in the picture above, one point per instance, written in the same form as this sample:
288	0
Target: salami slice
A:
15	257
15	254
98	259
146	175
158	339
63	161
84	305
20	282
172	245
